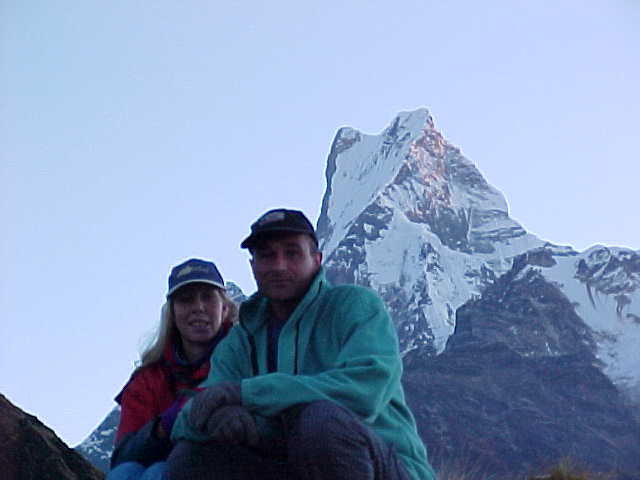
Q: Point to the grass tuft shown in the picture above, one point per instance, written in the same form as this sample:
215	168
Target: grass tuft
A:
567	469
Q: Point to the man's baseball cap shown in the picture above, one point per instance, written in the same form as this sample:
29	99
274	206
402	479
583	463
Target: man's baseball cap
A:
194	270
279	220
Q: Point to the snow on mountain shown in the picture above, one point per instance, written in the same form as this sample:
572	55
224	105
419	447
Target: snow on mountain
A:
604	285
98	446
407	214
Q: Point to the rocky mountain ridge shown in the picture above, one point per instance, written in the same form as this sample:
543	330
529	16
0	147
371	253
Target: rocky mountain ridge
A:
518	385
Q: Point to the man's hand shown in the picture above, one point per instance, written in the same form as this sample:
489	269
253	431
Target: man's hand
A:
233	425
205	403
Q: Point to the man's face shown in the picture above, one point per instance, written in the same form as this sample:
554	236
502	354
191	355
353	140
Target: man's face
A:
284	266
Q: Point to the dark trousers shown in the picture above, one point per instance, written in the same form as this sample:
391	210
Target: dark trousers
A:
323	441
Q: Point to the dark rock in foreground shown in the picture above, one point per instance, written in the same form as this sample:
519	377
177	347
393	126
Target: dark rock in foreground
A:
32	451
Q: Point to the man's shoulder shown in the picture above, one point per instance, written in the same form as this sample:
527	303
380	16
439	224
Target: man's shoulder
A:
351	293
351	305
349	289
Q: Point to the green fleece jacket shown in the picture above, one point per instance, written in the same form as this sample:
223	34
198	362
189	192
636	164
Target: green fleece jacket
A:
340	345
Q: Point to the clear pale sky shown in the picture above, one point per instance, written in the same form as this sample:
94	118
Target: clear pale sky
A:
135	134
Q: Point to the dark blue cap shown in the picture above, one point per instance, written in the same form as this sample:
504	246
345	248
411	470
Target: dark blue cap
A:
279	220
194	270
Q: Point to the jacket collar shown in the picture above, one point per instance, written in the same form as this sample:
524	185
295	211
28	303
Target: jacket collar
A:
253	312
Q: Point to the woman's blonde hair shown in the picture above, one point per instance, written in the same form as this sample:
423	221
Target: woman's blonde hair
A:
167	331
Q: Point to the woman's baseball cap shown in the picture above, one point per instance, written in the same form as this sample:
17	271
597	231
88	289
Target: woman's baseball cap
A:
194	270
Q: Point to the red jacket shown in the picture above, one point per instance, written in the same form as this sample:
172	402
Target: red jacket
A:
148	393
152	389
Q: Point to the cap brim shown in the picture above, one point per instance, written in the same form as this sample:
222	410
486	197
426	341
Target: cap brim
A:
255	237
209	282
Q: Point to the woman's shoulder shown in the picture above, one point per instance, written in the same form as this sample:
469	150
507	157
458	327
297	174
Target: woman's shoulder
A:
145	379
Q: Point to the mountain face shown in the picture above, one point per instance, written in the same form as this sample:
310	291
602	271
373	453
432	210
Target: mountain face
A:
517	352
518	386
407	214
31	451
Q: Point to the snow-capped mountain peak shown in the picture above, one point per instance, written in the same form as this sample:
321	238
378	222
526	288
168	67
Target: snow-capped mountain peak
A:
404	212
407	214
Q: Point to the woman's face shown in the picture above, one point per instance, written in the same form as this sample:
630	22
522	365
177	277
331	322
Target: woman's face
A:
198	310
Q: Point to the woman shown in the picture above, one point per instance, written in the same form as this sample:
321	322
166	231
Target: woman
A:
195	317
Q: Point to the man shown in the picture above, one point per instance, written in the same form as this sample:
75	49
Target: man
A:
307	385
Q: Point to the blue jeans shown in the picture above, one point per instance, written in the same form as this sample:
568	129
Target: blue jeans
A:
137	471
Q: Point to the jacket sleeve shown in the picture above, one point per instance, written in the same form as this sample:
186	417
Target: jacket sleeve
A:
365	372
142	446
136	439
229	362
